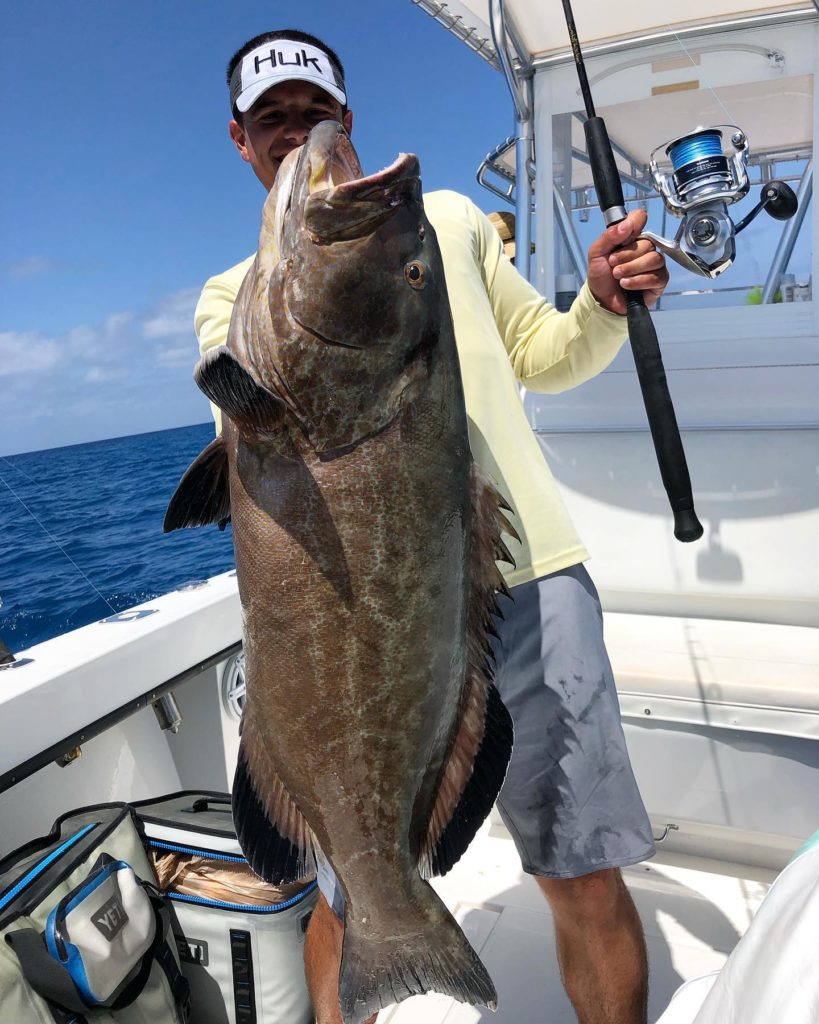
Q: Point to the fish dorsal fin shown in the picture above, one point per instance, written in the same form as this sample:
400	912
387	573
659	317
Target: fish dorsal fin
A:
257	412
277	842
479	755
203	494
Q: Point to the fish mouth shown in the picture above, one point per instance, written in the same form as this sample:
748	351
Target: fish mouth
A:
336	171
343	203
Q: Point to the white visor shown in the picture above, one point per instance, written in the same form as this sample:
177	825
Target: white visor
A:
282	60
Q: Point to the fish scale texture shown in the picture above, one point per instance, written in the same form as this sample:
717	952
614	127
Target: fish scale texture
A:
366	547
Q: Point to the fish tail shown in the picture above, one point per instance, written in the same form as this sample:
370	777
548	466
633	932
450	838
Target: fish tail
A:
435	958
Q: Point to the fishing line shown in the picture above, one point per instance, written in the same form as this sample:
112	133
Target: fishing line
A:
51	535
18	470
708	85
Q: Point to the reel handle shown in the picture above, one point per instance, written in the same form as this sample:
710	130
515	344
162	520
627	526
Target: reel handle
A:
779	200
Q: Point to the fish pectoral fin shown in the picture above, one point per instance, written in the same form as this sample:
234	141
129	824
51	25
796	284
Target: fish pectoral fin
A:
275	838
257	412
203	494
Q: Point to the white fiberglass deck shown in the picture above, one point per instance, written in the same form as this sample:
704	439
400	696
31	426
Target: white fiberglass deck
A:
693	914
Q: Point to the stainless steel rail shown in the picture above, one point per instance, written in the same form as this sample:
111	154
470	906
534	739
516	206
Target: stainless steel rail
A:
519	80
454	23
787	240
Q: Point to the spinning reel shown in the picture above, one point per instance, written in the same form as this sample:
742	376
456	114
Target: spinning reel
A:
704	181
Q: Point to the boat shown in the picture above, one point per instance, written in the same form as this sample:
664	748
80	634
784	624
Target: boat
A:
714	644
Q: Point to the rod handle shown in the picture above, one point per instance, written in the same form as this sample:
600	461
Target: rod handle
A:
607	182
662	420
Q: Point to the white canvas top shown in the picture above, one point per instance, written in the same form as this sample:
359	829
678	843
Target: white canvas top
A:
542	25
756	106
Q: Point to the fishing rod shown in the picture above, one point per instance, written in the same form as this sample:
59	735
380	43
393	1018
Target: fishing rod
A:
662	420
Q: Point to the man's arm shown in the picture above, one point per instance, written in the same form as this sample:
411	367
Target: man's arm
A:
552	351
211	319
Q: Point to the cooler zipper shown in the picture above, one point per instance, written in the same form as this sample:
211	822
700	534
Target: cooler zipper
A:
272	908
41	866
197	853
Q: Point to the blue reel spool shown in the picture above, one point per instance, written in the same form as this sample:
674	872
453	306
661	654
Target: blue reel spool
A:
698	158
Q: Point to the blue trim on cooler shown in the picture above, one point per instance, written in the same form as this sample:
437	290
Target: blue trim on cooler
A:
51	924
76	968
99	878
51	936
41	866
272	908
197	853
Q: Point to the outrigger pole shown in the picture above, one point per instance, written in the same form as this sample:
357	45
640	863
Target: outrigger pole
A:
647	358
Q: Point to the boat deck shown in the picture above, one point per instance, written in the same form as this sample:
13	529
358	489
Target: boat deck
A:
694	912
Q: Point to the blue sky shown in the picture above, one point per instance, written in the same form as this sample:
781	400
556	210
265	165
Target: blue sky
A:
120	192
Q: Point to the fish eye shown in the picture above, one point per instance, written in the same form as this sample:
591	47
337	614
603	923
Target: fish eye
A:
415	273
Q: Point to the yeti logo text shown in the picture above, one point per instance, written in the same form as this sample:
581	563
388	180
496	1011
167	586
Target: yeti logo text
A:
111	918
277	58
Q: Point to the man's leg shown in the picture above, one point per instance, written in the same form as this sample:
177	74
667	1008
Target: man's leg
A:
570	800
322	961
600	947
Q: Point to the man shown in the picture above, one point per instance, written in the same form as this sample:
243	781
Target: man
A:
569	800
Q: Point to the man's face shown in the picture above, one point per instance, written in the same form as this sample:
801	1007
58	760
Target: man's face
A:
280	121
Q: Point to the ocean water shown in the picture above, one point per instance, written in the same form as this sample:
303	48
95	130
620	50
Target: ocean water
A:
103	503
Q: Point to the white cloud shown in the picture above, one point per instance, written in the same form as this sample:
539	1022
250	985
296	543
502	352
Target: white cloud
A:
26	352
131	365
99	374
101	341
30	266
115	323
173	317
178	355
82	340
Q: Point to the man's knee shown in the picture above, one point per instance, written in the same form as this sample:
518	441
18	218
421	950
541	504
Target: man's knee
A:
595	896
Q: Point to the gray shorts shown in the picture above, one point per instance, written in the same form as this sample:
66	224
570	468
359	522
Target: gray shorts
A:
570	800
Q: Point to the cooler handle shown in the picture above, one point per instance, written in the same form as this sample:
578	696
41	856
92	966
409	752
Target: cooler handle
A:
205	803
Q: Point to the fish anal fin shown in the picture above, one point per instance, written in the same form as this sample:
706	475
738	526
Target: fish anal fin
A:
258	413
482	744
276	840
203	494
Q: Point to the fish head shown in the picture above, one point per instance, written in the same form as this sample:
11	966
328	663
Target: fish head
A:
356	294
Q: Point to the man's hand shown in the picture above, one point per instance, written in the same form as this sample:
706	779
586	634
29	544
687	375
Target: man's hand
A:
619	260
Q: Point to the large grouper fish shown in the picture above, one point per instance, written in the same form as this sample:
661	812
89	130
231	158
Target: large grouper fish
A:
366	542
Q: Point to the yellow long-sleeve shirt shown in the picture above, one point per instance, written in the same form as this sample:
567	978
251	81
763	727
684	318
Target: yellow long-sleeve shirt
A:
505	332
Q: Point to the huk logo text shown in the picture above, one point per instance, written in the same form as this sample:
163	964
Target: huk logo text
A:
278	59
